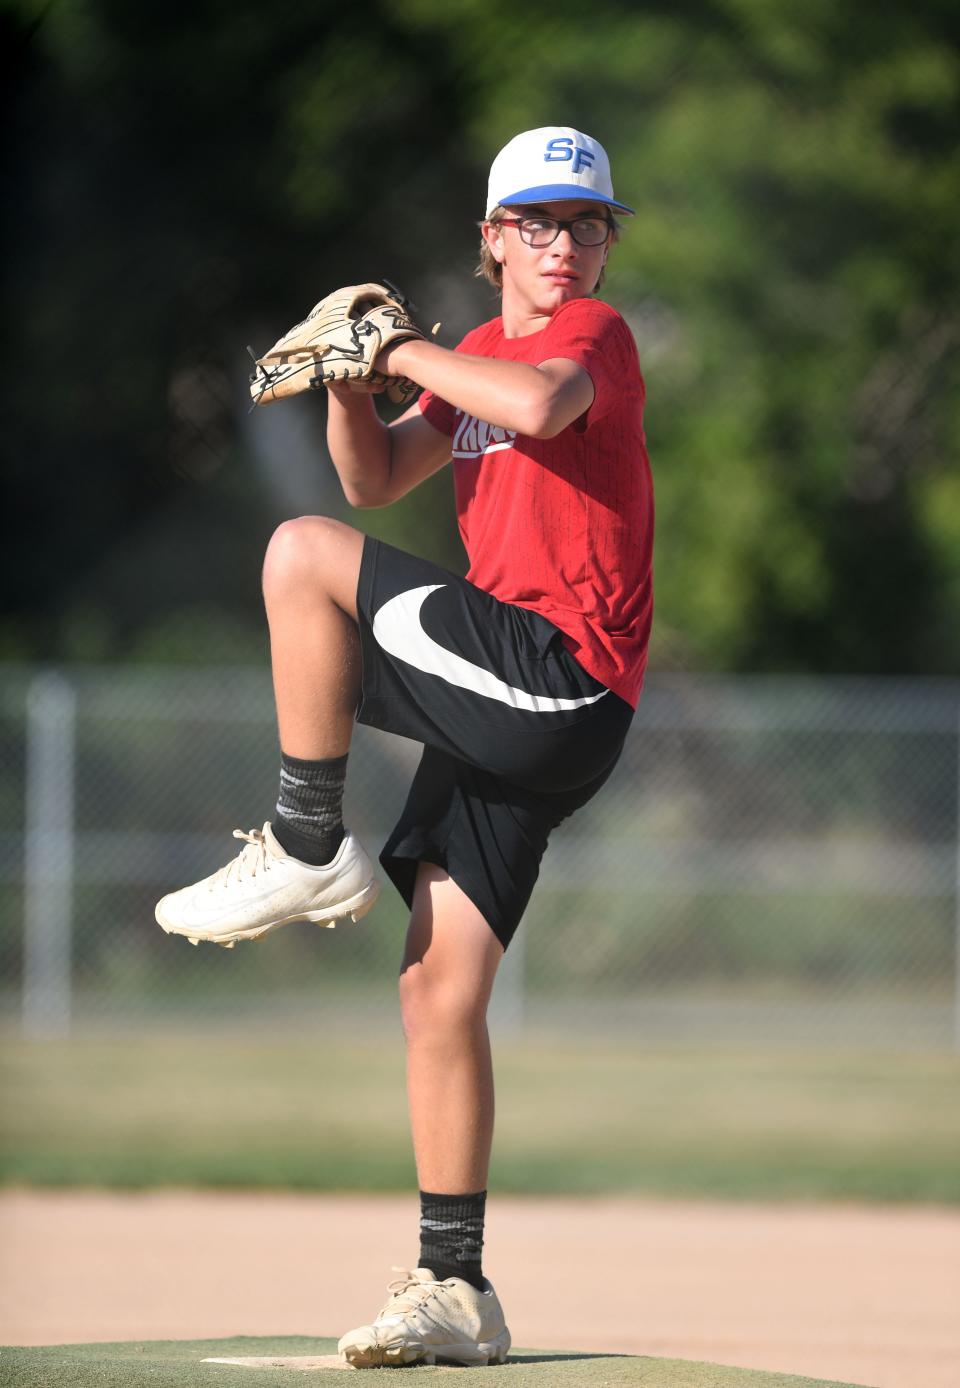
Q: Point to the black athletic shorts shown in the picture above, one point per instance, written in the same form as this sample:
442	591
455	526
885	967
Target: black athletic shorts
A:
516	735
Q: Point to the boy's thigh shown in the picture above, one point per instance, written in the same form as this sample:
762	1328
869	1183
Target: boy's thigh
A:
487	833
485	682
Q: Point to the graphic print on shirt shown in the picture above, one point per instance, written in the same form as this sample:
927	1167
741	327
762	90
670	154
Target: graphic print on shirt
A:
474	437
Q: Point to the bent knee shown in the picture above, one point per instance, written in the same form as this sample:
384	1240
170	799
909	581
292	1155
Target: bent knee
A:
300	549
299	541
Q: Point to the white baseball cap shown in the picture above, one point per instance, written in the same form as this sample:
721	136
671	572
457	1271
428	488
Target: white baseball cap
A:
551	164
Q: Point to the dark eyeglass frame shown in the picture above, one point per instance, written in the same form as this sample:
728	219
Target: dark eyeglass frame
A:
561	225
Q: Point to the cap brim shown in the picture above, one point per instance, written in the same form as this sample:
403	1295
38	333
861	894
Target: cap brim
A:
560	192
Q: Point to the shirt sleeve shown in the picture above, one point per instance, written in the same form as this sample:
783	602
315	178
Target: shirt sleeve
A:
440	413
594	335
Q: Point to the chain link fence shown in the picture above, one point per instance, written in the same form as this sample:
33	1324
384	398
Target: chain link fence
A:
775	860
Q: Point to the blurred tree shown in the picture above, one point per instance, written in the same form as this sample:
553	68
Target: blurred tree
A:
183	185
796	247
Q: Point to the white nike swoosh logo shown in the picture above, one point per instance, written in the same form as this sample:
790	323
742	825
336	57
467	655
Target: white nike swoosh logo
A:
398	629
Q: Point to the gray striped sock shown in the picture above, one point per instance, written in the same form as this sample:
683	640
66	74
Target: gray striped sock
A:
309	823
451	1235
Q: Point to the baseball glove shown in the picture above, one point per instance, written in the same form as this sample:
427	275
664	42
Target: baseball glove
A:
339	340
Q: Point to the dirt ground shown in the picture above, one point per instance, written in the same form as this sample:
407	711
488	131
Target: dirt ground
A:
864	1295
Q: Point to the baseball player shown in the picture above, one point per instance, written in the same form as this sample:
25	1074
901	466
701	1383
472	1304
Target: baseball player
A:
520	679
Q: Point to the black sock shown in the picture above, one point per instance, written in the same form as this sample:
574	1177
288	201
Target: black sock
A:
309	823
451	1236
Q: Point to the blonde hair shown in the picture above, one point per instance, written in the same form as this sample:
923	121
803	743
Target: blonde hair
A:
491	270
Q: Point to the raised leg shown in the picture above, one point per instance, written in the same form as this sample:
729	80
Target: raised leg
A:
306	867
310	576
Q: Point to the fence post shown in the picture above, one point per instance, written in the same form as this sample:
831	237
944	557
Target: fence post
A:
48	895
956	915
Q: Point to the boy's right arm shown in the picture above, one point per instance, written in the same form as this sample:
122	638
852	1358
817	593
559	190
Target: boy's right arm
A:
378	463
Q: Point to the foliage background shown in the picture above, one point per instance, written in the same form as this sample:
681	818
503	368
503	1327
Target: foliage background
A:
183	182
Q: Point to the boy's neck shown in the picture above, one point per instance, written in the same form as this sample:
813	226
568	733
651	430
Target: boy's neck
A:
519	318
516	328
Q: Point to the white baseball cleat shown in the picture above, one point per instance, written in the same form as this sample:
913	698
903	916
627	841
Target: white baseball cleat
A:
264	888
426	1320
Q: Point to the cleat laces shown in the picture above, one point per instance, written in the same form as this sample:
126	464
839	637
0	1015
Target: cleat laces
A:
407	1294
248	862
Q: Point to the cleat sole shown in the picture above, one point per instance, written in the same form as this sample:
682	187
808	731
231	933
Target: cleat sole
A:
405	1356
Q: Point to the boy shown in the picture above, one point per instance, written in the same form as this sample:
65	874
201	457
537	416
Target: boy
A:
521	680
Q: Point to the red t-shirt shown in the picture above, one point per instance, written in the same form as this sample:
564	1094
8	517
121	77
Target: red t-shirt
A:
564	525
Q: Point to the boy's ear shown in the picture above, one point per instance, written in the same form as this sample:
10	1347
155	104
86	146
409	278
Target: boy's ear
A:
493	235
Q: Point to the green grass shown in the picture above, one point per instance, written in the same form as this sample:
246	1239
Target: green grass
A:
298	1110
177	1364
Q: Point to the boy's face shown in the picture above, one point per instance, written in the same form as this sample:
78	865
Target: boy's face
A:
537	280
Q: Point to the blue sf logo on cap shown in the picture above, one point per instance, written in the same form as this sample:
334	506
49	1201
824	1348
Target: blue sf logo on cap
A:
562	149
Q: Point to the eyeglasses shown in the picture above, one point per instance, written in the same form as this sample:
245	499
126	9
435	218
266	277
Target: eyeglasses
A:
543	231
